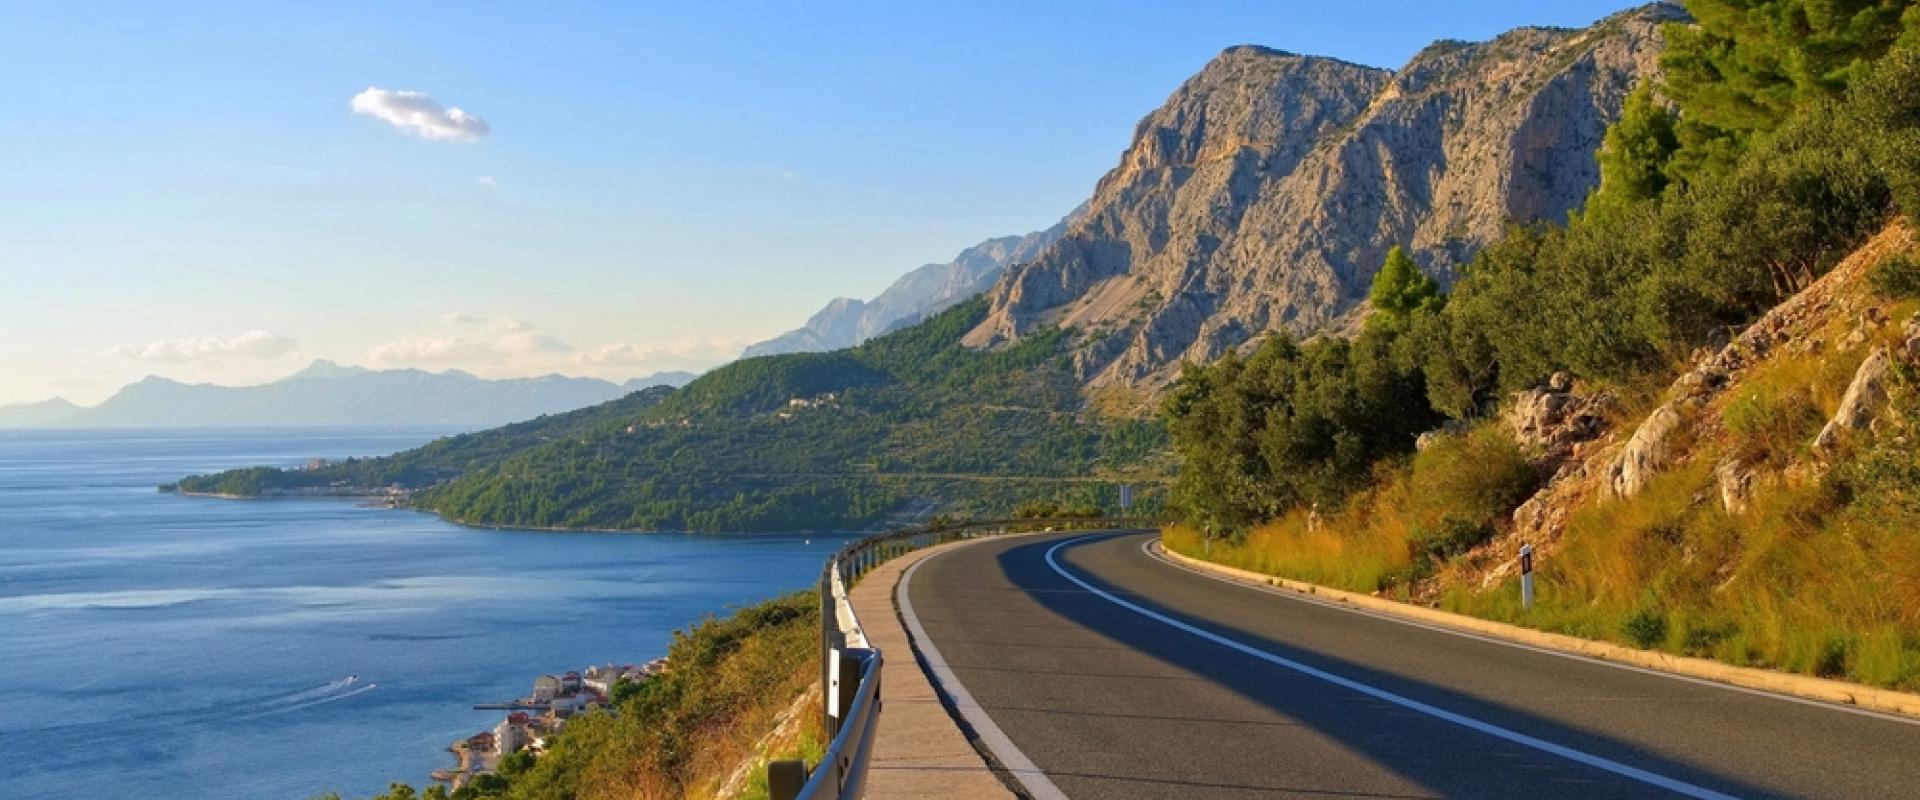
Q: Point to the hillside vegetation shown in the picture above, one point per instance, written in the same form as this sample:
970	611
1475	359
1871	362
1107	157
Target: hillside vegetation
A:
1703	424
801	441
681	734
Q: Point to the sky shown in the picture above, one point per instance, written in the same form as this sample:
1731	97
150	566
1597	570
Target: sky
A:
223	192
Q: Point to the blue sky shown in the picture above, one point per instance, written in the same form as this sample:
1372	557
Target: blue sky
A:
185	189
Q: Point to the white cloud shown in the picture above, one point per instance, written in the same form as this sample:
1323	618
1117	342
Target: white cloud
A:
488	181
461	350
682	353
430	350
524	343
252	344
417	114
495	324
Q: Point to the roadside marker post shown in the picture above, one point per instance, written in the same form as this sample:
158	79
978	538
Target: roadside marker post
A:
1526	576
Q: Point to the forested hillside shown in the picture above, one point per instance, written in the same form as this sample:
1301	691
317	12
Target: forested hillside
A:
1709	442
800	441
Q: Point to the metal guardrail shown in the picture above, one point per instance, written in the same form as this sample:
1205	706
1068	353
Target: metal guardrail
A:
850	666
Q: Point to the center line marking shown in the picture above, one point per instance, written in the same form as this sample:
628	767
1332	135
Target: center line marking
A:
1615	767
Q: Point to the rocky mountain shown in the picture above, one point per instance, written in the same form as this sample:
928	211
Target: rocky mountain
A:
1266	192
326	393
919	294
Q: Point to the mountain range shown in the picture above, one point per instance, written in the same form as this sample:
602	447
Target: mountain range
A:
921	293
326	393
1261	197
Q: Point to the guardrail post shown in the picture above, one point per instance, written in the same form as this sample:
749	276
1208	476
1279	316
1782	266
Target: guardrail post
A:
845	686
785	779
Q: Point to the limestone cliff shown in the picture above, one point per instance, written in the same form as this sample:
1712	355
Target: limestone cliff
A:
1267	190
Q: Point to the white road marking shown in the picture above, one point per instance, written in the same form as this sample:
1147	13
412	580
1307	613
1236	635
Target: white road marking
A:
1615	767
1037	784
1147	548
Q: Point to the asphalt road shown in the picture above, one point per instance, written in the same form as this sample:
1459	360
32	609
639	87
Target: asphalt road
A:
1121	676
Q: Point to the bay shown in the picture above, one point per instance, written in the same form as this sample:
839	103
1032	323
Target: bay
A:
160	646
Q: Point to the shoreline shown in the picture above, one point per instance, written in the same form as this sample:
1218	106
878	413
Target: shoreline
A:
395	502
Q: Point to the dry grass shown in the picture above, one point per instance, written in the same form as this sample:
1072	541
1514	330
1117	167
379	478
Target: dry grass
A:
1444	501
1817	576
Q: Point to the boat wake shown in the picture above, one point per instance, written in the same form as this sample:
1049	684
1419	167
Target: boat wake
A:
312	700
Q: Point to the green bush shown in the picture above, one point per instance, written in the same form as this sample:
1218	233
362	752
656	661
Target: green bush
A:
1452	537
1896	278
1478	477
1646	628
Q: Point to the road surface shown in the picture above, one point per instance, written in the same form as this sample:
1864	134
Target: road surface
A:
1119	675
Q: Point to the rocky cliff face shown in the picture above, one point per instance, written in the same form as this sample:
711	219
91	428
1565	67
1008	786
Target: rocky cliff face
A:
919	294
1266	192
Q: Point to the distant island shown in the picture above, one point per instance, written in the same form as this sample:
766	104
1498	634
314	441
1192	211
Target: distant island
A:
326	394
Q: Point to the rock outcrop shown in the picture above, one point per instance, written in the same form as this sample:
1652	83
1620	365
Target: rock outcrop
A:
1553	421
1863	400
1649	451
1266	192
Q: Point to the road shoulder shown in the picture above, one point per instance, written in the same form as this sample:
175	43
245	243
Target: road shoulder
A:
1900	705
920	751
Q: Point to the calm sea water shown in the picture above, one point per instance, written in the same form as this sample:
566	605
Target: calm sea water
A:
156	646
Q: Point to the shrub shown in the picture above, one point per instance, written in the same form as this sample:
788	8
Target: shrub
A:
1476	478
1646	628
1896	278
1452	537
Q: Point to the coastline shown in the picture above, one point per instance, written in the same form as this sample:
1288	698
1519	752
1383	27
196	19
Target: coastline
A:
396	500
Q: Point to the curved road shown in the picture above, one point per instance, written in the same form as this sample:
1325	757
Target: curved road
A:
1119	675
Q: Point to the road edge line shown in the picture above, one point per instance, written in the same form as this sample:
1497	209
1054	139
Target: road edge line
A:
1016	763
1621	769
1834	695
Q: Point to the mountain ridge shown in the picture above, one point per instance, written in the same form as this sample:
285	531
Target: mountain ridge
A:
920	293
327	393
1265	192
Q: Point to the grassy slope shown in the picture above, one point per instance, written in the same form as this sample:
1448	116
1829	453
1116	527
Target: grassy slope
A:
1819	575
907	415
683	733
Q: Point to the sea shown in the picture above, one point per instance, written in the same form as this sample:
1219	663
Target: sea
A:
160	646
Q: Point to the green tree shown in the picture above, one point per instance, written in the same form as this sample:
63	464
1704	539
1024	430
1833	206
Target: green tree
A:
1744	66
1886	108
1400	288
1633	157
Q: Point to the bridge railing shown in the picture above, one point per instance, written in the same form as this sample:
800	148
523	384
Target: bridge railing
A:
850	666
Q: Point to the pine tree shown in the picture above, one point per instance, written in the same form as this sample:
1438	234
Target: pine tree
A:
1400	288
1633	157
1748	64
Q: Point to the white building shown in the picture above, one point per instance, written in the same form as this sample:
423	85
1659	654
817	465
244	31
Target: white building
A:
511	734
545	688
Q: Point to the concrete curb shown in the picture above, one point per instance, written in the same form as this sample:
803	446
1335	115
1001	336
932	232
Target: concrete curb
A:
1851	695
922	752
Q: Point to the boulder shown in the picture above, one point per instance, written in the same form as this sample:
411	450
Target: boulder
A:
1862	402
1650	450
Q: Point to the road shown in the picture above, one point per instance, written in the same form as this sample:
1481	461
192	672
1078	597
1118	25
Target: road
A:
1119	675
